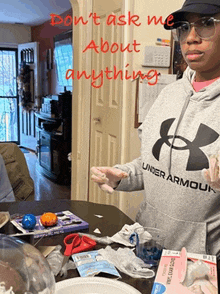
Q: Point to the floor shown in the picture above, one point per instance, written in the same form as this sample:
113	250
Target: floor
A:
45	189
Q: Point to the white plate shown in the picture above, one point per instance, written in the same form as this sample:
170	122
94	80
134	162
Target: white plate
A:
94	285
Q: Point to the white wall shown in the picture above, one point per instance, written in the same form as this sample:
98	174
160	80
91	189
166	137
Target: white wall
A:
148	34
145	35
12	34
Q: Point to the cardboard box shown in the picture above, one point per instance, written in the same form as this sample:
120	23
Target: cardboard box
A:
180	272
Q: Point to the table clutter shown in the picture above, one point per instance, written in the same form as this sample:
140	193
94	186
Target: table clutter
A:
90	263
110	254
132	266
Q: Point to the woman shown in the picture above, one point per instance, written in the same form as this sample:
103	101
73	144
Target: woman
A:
178	136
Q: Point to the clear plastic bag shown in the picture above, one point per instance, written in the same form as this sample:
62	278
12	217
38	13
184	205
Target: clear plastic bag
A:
126	261
55	260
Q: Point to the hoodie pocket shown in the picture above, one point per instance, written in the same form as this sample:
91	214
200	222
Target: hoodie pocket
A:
179	233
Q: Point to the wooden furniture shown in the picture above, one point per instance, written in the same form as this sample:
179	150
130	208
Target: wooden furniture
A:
112	221
53	130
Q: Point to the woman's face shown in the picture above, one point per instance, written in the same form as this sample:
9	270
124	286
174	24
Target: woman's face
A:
203	56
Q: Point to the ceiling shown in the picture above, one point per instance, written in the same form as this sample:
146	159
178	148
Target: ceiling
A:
29	12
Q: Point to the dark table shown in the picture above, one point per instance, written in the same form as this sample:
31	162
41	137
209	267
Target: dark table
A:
112	222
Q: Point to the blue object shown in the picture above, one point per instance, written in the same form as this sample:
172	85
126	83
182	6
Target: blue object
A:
28	221
158	288
151	255
134	238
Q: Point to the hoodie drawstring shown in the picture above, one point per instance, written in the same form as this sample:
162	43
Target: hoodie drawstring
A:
177	126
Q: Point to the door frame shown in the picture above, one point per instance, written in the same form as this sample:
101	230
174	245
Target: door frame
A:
81	102
81	106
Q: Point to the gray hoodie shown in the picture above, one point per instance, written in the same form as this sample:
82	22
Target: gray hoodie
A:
179	133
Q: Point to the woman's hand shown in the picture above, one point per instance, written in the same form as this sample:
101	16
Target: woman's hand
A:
212	175
107	178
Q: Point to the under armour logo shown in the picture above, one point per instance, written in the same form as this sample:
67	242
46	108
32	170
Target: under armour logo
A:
197	159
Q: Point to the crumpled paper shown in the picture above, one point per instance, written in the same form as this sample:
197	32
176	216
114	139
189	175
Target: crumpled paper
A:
127	262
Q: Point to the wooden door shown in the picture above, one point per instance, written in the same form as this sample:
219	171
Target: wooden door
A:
106	101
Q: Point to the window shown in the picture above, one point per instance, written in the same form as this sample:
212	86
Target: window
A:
63	54
8	95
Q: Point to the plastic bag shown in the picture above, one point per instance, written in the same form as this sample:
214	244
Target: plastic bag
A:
55	260
127	262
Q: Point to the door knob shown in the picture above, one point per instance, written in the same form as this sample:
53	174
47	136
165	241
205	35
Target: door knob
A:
97	120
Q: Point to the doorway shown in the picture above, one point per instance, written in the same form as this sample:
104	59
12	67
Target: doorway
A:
95	113
28	92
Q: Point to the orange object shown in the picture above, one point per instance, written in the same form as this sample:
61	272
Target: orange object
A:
48	219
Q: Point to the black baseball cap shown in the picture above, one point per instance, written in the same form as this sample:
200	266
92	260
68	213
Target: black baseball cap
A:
206	7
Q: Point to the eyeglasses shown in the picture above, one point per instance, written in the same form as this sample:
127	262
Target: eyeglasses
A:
204	27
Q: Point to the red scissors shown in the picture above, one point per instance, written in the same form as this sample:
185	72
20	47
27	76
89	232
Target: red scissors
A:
75	244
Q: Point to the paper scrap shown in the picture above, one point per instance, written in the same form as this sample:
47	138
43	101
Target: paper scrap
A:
98	215
97	231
